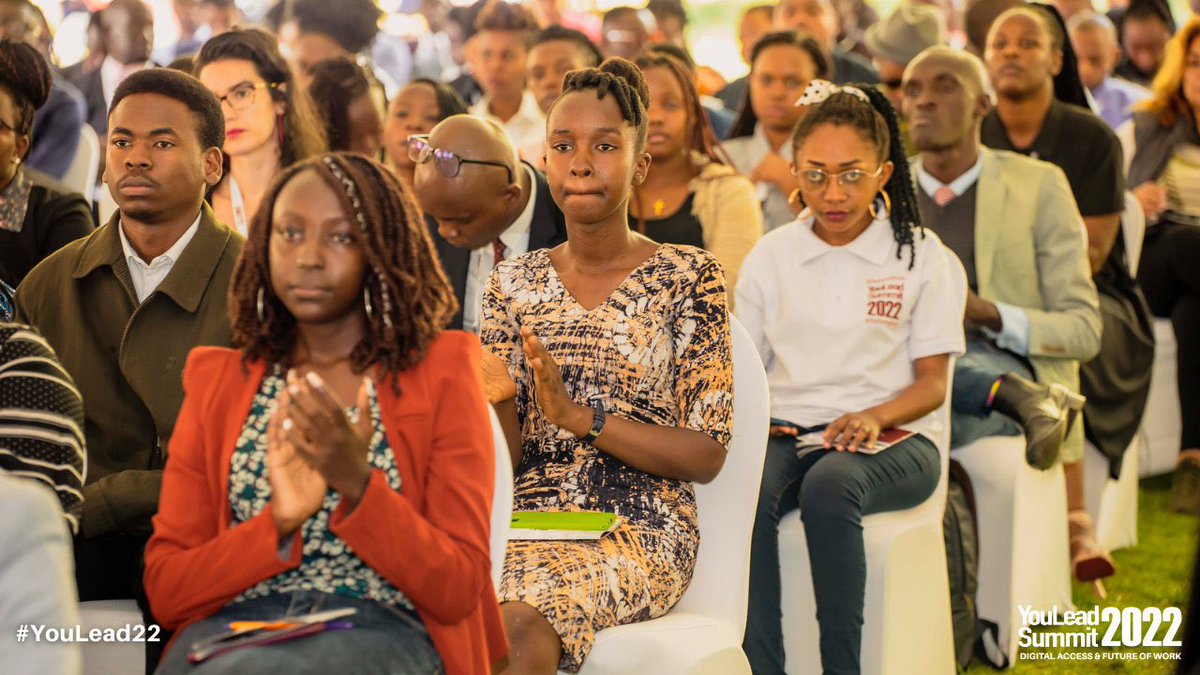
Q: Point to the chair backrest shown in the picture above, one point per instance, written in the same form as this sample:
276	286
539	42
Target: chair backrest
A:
502	499
727	505
81	174
107	206
1133	227
937	501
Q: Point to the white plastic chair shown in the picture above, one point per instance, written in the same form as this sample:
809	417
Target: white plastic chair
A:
1024	555
703	633
111	658
502	499
81	174
906	612
106	206
1162	423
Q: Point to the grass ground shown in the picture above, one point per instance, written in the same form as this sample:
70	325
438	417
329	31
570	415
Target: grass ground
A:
1156	573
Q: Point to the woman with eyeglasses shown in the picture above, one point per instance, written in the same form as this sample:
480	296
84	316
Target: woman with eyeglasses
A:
416	109
781	65
856	311
270	122
691	195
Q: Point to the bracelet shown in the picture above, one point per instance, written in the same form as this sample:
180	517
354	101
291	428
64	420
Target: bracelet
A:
598	418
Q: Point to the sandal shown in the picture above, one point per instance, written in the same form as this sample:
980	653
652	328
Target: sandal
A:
1089	562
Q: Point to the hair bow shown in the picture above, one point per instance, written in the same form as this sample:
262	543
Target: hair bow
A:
818	91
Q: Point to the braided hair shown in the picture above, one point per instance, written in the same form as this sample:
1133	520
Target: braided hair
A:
747	119
336	83
411	298
25	75
623	80
876	122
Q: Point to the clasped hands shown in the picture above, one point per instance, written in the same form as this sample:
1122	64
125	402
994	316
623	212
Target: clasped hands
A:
549	392
312	446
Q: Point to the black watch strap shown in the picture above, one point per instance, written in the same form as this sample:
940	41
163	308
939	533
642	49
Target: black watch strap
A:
598	418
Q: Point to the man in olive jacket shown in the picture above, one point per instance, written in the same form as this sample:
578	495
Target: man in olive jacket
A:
124	306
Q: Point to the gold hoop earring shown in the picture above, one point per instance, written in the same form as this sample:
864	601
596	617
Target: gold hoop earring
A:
794	200
887	204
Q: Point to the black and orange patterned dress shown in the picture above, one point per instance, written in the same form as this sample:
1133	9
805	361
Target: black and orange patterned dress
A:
656	351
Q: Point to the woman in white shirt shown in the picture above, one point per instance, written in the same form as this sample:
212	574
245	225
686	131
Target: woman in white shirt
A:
856	311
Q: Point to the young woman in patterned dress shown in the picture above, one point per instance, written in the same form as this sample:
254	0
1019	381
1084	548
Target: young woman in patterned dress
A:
609	333
341	456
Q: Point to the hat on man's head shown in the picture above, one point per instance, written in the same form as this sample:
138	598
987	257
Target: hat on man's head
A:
910	30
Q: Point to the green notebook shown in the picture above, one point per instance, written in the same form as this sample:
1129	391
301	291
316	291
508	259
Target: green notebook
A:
562	524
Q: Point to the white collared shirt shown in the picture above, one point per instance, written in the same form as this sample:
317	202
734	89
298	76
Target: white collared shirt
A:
516	242
525	129
146	276
112	72
839	327
1014	322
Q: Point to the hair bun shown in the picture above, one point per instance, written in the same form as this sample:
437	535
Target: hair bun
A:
630	73
25	72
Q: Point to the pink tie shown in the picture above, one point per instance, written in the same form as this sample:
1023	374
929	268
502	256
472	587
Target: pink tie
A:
498	248
943	196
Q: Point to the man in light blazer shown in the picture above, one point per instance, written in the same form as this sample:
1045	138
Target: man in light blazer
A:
1033	312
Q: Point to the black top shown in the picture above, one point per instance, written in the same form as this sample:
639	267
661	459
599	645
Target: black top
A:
54	218
547	230
1080	144
680	227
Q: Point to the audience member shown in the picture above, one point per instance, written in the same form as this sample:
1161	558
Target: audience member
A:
341	95
283	494
1094	38
910	30
978	20
502	46
38	216
1040	96
461	30
58	122
720	120
482	205
781	66
1145	28
311	31
35	581
551	13
269	118
41	419
417	109
554	52
160	267
854	18
1069	8
593	432
818	19
1162	148
845	368
128	33
626	31
670	19
691	195
755	23
431	51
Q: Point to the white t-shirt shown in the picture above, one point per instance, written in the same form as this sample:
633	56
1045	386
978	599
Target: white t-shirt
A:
838	327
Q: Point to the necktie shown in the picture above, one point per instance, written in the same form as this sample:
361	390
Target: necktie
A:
498	249
943	196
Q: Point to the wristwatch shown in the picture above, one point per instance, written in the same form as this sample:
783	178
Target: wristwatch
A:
597	424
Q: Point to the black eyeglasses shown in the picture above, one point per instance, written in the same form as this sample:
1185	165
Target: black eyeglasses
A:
449	163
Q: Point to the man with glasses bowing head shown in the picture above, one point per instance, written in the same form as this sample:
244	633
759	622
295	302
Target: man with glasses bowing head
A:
482	205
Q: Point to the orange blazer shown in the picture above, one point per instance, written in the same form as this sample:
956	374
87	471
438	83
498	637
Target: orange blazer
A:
430	540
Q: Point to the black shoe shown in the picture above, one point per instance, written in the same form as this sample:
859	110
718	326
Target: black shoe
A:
1044	412
1185	484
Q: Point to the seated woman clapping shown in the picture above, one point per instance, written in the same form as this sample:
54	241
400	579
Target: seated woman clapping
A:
611	354
342	457
855	311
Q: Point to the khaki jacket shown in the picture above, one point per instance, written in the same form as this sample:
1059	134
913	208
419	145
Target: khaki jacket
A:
127	359
730	217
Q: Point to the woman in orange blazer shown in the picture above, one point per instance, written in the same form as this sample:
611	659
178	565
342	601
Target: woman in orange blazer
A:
342	457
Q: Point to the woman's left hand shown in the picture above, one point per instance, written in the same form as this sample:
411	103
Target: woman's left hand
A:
325	437
549	390
849	432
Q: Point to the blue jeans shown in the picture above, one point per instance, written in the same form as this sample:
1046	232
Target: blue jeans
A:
974	374
833	490
383	640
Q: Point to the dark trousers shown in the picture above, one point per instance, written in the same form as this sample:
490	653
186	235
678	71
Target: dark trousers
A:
109	567
1169	274
974	374
833	491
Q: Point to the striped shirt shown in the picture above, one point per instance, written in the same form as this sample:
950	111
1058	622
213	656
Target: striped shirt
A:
41	418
